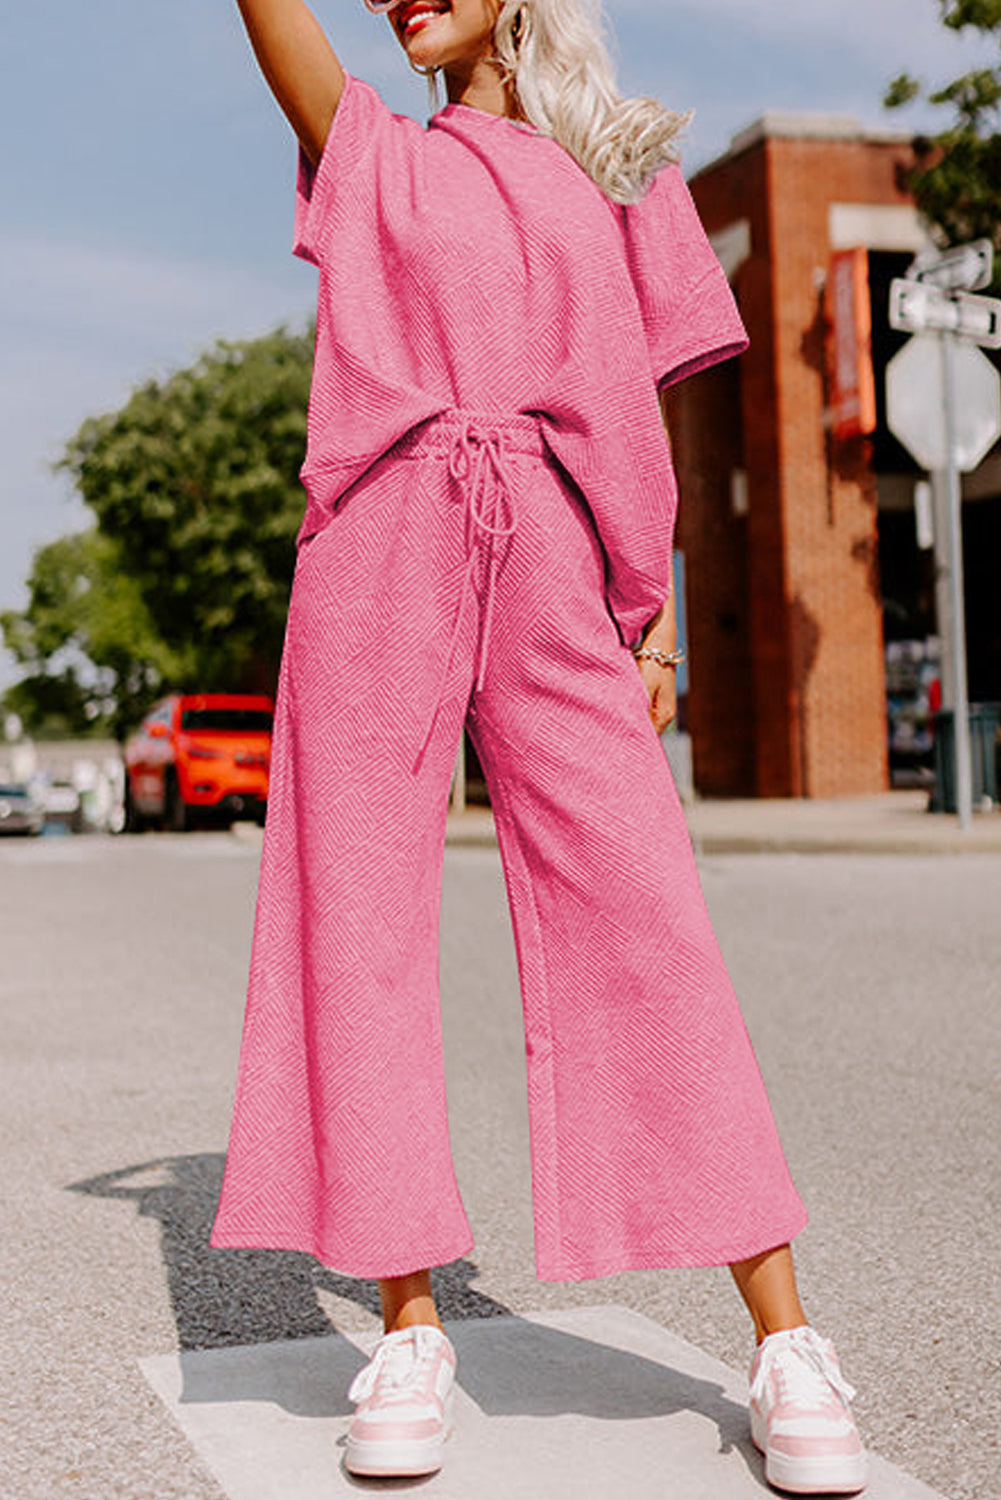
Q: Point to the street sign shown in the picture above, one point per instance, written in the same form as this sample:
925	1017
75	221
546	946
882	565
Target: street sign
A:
916	403
966	268
943	401
916	307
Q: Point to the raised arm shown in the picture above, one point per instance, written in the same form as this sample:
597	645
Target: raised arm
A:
299	64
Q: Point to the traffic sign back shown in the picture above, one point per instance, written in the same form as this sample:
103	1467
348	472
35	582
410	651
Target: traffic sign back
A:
915	403
916	307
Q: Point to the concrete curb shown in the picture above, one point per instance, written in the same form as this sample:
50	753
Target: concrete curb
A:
474	826
893	823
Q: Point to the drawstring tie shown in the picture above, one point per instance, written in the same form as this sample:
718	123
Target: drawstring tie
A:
477	464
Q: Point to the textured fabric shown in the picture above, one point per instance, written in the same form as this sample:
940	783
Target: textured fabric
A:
474	265
652	1140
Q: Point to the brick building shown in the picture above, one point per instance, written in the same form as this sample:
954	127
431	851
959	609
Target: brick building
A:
782	525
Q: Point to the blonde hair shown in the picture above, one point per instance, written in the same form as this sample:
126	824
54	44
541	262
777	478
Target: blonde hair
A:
556	56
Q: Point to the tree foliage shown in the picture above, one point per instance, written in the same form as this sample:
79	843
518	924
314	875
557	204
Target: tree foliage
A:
195	481
91	655
957	181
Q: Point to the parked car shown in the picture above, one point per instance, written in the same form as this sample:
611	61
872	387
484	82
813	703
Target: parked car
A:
199	756
20	809
62	804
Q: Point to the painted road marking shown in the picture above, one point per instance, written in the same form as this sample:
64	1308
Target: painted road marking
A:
592	1401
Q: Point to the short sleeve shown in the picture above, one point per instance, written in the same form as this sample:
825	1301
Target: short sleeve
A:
688	310
364	131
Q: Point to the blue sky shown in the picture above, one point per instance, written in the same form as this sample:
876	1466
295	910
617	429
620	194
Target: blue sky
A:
146	182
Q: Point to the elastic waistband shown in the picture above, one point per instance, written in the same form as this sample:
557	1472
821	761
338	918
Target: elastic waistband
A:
517	433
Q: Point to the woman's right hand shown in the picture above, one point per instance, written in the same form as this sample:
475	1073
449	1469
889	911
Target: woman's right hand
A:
299	64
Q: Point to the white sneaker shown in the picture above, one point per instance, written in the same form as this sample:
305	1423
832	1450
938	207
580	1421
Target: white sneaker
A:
800	1417
404	1397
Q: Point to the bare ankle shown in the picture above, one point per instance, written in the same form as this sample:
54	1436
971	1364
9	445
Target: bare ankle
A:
410	1315
408	1300
767	1284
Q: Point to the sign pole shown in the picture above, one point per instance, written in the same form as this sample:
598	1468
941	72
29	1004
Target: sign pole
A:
943	401
957	611
943	588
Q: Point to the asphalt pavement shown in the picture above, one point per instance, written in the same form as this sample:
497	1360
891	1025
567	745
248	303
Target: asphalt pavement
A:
871	989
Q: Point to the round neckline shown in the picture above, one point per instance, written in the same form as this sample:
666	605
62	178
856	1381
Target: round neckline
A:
471	109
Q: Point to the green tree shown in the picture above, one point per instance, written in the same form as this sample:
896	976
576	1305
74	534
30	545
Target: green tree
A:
92	658
957	180
195	480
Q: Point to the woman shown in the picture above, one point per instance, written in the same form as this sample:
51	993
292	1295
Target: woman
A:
487	542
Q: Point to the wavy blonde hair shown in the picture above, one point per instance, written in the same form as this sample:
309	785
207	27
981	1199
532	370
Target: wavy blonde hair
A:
556	56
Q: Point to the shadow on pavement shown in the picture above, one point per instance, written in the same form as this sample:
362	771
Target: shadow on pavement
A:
227	1304
516	1368
539	1371
225	1297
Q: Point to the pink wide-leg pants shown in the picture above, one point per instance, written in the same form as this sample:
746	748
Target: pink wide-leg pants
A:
461	580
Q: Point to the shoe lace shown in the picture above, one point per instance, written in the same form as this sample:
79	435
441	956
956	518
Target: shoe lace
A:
396	1364
804	1380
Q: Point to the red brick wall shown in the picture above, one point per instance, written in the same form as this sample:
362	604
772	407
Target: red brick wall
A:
803	565
707	431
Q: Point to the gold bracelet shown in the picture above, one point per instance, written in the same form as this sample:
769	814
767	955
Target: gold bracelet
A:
662	658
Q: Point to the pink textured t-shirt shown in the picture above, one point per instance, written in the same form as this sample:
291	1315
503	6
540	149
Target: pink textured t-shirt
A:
473	264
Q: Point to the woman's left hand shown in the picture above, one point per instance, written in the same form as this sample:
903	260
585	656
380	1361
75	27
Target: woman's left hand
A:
661	682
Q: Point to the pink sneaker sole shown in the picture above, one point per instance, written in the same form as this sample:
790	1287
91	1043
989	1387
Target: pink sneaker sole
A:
402	1458
810	1476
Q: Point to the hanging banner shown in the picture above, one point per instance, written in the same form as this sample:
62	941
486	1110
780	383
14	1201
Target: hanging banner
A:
849	345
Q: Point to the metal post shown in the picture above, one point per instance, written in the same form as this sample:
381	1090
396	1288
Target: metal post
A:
961	707
943	588
457	801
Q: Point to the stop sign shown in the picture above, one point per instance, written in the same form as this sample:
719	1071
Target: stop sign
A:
915	402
